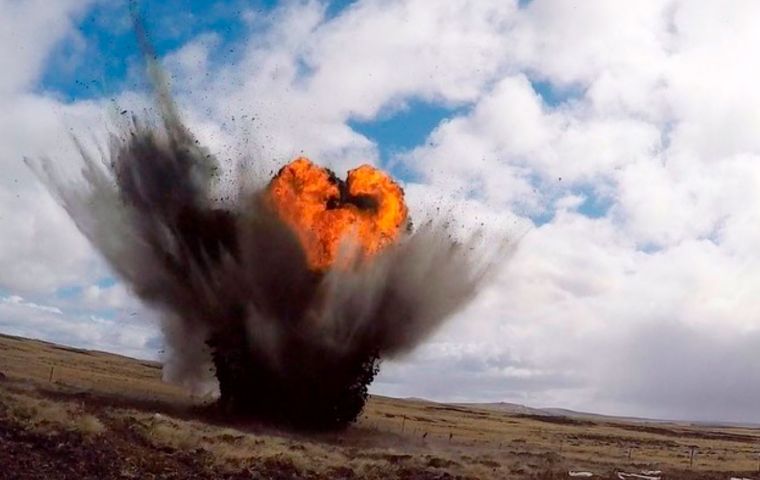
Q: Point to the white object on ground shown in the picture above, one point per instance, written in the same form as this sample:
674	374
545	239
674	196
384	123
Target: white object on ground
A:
624	476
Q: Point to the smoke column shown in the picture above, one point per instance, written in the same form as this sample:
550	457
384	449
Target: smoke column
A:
287	344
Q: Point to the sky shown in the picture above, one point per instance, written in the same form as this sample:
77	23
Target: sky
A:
616	143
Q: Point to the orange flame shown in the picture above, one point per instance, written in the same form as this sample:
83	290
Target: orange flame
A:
324	211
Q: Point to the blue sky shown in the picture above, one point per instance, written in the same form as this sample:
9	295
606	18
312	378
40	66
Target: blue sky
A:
111	50
105	34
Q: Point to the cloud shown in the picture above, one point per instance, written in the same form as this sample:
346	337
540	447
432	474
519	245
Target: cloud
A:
482	372
646	133
39	249
646	308
16	300
28	31
306	75
115	296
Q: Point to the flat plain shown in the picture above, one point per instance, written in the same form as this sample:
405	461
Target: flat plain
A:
77	414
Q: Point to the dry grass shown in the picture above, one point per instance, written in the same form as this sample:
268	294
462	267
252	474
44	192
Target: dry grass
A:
107	396
88	370
41	414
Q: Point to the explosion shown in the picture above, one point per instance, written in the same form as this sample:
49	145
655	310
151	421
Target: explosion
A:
291	294
325	212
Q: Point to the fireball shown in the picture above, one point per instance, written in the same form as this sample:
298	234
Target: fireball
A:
366	211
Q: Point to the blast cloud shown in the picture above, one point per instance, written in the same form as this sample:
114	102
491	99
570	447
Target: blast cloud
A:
286	344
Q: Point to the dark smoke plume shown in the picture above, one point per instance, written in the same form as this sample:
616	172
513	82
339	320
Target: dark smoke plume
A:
287	345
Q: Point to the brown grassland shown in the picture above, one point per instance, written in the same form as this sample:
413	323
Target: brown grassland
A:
67	413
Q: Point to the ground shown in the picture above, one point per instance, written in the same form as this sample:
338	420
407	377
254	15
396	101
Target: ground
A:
74	414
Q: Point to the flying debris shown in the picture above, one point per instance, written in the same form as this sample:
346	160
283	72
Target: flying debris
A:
292	294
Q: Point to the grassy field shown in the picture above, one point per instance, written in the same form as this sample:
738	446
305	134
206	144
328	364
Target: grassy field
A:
67	413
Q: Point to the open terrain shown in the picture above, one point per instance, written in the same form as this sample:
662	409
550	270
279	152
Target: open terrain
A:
68	413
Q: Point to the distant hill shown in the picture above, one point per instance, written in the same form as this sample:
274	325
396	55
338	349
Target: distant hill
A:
518	409
513	408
